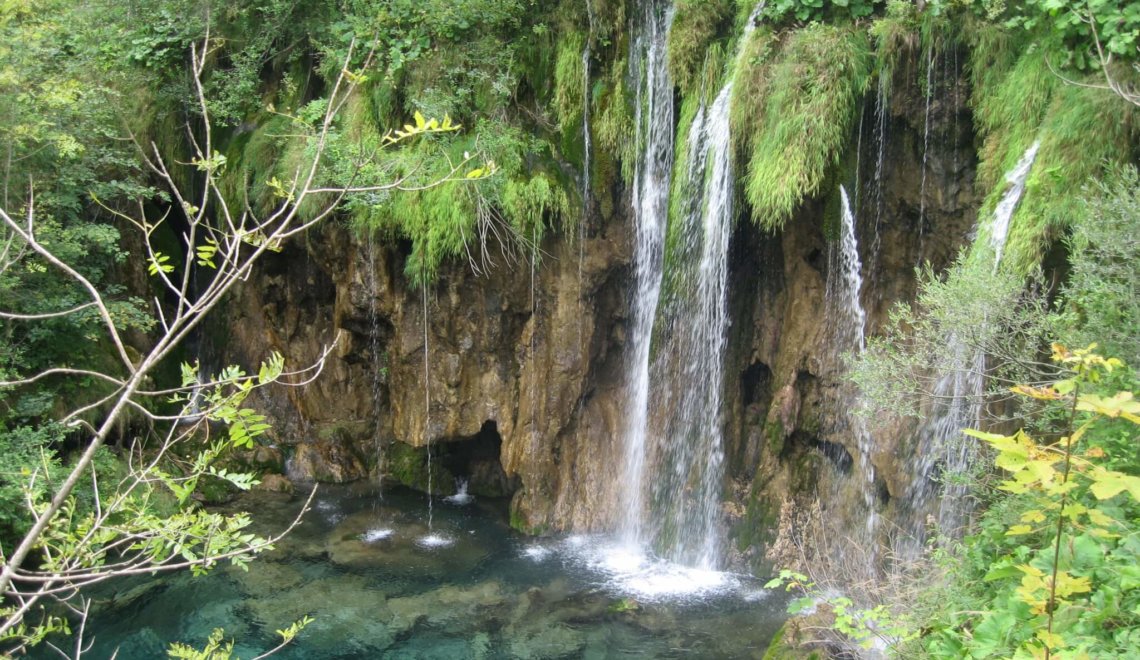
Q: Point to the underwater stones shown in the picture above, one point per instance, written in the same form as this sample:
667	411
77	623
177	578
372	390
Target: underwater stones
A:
266	577
143	643
339	605
452	607
354	543
555	641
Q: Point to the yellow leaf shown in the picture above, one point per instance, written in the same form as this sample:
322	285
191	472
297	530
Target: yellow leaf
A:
1068	585
1042	393
1103	533
420	121
1034	516
1098	517
1052	640
1018	530
1030	570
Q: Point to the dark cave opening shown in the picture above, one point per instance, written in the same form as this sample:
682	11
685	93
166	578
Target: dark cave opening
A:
475	460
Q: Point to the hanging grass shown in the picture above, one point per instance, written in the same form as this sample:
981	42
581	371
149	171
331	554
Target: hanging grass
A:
797	106
696	25
1019	99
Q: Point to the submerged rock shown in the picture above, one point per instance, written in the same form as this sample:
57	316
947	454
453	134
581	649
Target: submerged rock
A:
385	540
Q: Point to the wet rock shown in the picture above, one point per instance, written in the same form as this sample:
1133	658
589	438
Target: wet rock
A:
275	483
330	458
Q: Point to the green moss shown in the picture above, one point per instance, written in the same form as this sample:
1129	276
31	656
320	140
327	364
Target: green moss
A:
779	649
613	122
408	465
795	109
678	245
514	207
775	432
696	24
520	524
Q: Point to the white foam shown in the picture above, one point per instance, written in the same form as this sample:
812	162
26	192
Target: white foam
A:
536	552
631	571
374	535
434	541
459	499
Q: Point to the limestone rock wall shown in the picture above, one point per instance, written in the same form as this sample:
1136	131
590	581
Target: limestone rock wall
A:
537	363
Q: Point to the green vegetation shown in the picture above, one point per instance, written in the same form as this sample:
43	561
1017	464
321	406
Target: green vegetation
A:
1019	99
1049	570
696	23
1103	291
486	99
792	108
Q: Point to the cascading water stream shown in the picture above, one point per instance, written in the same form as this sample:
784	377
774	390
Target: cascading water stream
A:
689	456
1003	212
958	397
654	122
849	320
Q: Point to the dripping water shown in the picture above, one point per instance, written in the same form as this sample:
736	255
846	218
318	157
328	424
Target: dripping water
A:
925	152
586	154
533	394
377	360
882	110
427	399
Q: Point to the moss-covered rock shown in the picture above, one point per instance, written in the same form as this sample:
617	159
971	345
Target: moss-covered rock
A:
696	24
409	466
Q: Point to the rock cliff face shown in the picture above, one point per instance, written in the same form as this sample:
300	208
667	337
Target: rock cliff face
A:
525	376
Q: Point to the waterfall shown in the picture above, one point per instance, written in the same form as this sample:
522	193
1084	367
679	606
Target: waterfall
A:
692	446
848	268
688	456
654	122
958	397
1003	212
848	321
